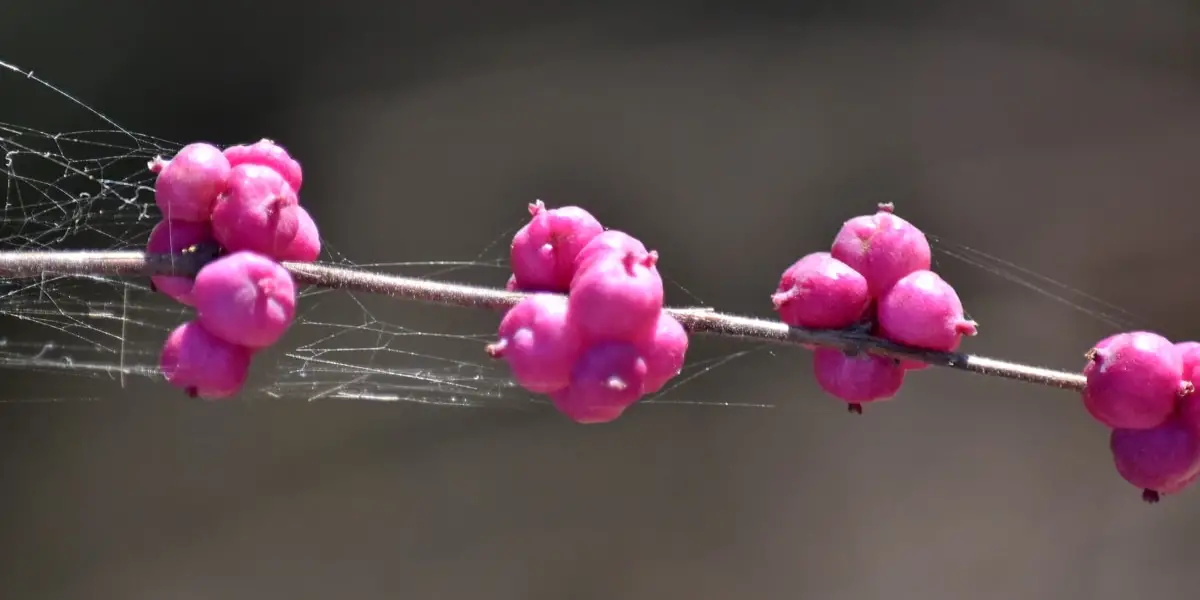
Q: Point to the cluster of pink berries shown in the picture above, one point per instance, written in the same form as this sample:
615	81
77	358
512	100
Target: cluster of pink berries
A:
876	278
1143	387
607	343
244	200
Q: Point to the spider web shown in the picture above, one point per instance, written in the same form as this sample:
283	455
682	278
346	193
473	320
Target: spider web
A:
91	189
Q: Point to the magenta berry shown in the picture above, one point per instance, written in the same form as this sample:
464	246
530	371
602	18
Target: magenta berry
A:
617	298
1134	380
1189	405
306	245
539	343
268	154
245	298
189	183
606	244
202	364
606	380
544	250
857	380
259	212
923	311
883	247
1161	459
664	353
821	292
172	237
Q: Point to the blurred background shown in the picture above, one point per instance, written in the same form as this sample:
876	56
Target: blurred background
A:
732	137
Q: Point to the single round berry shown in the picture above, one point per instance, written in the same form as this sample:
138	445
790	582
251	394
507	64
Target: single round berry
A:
1159	460
610	242
268	154
821	292
539	343
857	380
617	298
664	353
174	237
607	379
1134	380
306	245
923	311
1189	356
203	364
544	250
1189	405
259	212
883	247
189	183
245	298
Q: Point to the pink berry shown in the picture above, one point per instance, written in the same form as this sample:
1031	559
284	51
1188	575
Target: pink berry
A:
1134	380
1159	459
245	298
608	379
306	245
1189	355
607	243
883	247
258	212
202	364
857	380
268	154
821	292
1189	405
539	343
544	250
617	298
664	353
923	311
173	237
188	184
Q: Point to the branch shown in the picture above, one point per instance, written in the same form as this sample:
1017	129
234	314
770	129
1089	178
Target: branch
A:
22	264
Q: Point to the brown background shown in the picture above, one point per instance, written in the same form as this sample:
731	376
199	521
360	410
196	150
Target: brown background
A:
1062	136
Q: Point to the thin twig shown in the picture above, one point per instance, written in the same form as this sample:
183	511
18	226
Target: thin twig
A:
28	264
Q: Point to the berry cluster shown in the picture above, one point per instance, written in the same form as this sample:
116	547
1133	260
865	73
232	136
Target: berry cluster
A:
607	342
877	279
244	200
1142	386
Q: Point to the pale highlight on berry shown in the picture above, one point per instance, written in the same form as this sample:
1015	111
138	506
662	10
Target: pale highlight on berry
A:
202	364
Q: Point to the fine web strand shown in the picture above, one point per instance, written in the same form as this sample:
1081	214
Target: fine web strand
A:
93	337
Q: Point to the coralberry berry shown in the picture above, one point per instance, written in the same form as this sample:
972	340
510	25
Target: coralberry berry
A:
539	343
664	352
606	244
258	212
923	311
617	298
203	364
544	250
1159	460
268	154
306	245
606	380
172	237
245	298
858	379
1134	380
883	247
821	292
189	183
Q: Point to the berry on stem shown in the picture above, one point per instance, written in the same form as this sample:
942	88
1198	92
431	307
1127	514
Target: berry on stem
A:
172	237
268	154
543	251
539	343
202	364
606	244
1162	459
664	352
617	298
607	379
821	292
857	380
883	247
923	311
259	212
246	299
1134	380
189	183
306	245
